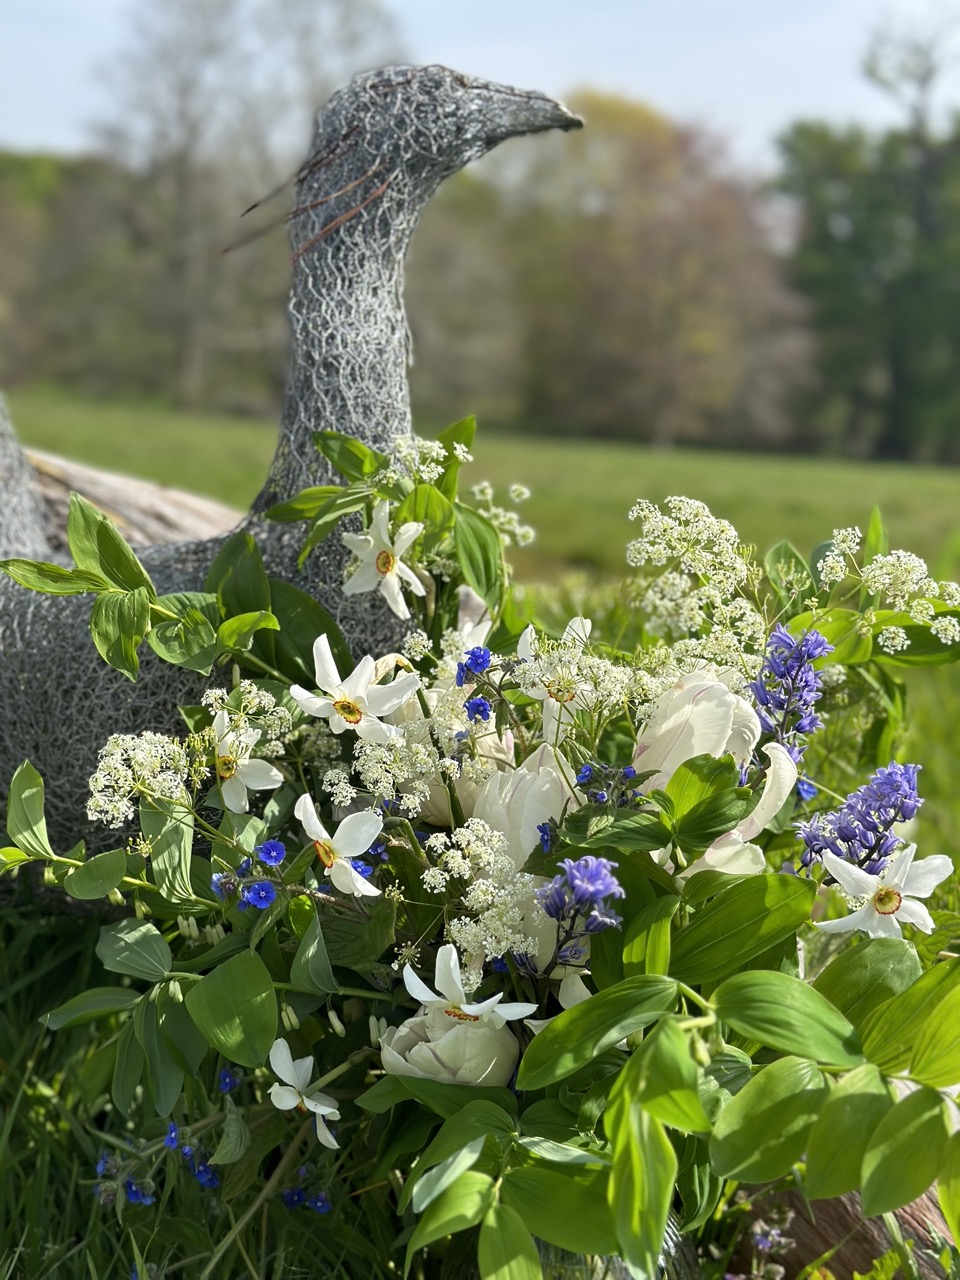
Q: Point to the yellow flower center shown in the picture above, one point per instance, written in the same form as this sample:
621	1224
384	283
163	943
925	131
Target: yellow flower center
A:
565	692
460	1015
348	710
886	901
325	852
226	767
385	561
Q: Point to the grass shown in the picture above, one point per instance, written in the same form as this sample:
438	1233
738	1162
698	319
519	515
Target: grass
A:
582	490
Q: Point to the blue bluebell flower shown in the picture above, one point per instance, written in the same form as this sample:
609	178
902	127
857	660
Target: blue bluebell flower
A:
260	894
861	830
591	880
293	1197
789	686
477	709
272	852
806	790
319	1202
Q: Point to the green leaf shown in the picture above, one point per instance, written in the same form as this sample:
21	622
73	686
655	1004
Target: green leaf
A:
136	948
180	1032
308	503
891	1029
787	1014
714	817
329	517
169	828
476	1119
426	504
854	1109
567	1209
948	1184
98	548
462	433
98	1002
236	1009
698	1185
904	1153
118	623
127	1069
663	1077
579	1034
235	1137
189	640
461	1206
506	1250
351	457
842	628
935	1060
641	1182
52	579
560	1152
723	1077
358	941
436	1180
311	969
480	555
762	1131
97	876
863	976
237	577
302	621
10	858
26	824
738	924
237	634
164	1073
643	832
448	1099
701	778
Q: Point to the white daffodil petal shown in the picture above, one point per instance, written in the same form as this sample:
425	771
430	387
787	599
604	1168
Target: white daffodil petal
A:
573	990
924	876
410	578
884	926
357	832
360	678
857	882
328	677
518	1009
447	975
281	1060
347	880
325	1137
370	729
417	988
360	543
283	1097
365	577
380	523
915	913
405	536
234	794
306	812
392	593
480	1008
322	1103
857	920
259	775
384	698
309	702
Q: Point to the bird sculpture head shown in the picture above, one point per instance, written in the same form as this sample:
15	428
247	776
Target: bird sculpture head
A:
390	137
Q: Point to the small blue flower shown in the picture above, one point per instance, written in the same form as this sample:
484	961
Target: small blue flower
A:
319	1202
499	965
362	868
172	1140
272	852
599	797
629	772
546	836
378	850
222	883
245	867
293	1197
103	1164
806	790
477	709
585	774
135	1194
474	661
260	894
205	1175
228	1080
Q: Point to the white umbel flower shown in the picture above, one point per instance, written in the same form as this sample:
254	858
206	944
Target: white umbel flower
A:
890	897
237	772
353	701
380	568
295	1090
353	838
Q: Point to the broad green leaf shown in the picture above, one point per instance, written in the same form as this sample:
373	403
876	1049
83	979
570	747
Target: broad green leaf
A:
698	1185
579	1034
891	1030
447	1099
935	1060
904	1153
549	1118
52	579
461	1206
567	1209
948	1184
663	1077
436	1180
25	821
713	817
236	1009
762	1131
480	555
641	1183
646	943
429	507
476	1119
189	640
330	517
853	1110
506	1250
127	1069
169	828
134	947
307	504
237	577
10	858
236	634
704	885
302	621
787	1014
701	778
738	924
461	433
98	1002
97	547
358	941
351	457
97	876
311	969
234	1137
723	1077
560	1152
164	1072
629	831
863	976
118	623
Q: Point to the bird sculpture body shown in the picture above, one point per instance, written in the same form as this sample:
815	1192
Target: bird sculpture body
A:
382	146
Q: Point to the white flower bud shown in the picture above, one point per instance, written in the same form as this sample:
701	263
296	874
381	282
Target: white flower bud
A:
335	1022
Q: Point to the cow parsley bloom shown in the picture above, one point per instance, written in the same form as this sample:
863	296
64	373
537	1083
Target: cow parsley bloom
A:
354	837
354	701
884	900
293	1090
380	567
237	771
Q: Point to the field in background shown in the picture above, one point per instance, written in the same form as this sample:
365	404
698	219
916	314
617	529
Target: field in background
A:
581	493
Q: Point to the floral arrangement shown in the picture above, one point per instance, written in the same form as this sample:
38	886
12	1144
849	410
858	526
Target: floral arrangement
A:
535	938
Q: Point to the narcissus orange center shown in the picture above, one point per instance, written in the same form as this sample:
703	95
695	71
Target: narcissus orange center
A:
348	710
461	1016
886	901
325	852
384	562
226	767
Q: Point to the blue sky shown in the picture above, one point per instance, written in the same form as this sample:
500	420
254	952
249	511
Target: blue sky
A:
744	67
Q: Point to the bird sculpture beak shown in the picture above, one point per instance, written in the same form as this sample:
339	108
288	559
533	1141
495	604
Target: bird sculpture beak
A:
518	112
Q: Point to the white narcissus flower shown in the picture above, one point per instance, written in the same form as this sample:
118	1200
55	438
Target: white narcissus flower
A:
451	1038
354	837
561	689
890	896
353	702
236	771
380	568
295	1090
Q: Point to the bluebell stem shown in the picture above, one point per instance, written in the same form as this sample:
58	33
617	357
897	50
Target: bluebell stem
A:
788	688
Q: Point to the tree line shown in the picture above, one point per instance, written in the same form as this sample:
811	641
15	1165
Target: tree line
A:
626	281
